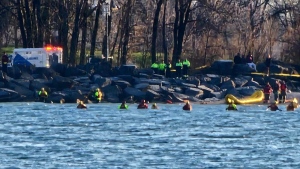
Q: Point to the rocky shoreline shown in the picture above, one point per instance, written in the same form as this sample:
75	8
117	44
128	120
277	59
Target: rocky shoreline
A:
128	83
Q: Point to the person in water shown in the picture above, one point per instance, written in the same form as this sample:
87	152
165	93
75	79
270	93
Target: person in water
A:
154	106
290	107
81	105
143	105
123	105
187	106
98	95
273	107
43	95
231	106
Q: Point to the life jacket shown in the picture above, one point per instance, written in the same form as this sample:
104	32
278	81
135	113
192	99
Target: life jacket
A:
267	89
98	95
123	106
142	106
187	107
43	94
283	87
231	107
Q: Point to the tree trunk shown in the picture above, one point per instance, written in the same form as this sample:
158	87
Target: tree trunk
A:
165	45
21	24
182	13
95	30
84	34
28	22
75	33
64	30
127	29
40	35
154	30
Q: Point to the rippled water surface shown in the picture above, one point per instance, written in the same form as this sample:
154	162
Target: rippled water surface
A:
36	135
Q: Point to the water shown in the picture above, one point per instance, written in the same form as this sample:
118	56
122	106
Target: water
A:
37	135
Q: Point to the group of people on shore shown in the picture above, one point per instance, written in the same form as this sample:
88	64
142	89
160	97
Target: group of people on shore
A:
165	69
279	90
242	59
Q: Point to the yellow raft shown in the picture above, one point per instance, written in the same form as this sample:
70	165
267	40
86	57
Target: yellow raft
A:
256	97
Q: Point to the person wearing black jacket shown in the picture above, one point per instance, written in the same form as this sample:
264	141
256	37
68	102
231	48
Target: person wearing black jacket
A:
268	64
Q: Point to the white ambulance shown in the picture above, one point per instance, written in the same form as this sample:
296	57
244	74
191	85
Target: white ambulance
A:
38	57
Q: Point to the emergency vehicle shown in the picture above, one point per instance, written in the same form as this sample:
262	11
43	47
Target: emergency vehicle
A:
38	57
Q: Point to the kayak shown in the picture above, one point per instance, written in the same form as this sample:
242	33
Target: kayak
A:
256	97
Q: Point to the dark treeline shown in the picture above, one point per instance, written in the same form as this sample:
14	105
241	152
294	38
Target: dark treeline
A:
201	30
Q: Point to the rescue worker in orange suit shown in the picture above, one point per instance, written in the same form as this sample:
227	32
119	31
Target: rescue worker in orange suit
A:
273	107
4	62
283	91
267	91
187	106
143	105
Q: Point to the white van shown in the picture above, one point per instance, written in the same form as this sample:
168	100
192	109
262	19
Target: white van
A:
38	57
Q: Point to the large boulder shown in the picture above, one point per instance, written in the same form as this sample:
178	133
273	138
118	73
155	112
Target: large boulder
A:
136	93
246	91
14	72
148	72
127	78
195	92
127	70
101	81
61	83
123	84
222	67
7	95
152	95
37	84
228	85
112	93
141	86
253	83
207	92
156	88
240	81
193	80
74	71
242	69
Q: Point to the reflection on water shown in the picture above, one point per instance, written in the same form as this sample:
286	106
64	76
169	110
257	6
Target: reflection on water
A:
35	135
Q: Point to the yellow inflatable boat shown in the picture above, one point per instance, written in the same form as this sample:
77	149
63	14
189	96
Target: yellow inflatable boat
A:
256	97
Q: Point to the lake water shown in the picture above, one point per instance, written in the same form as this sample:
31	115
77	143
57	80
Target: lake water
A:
37	135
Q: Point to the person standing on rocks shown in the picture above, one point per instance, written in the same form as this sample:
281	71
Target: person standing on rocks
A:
168	69
4	62
283	91
276	91
267	91
237	59
178	69
162	68
186	65
268	64
154	67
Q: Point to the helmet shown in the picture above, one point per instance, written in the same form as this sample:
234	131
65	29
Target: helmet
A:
42	88
154	104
